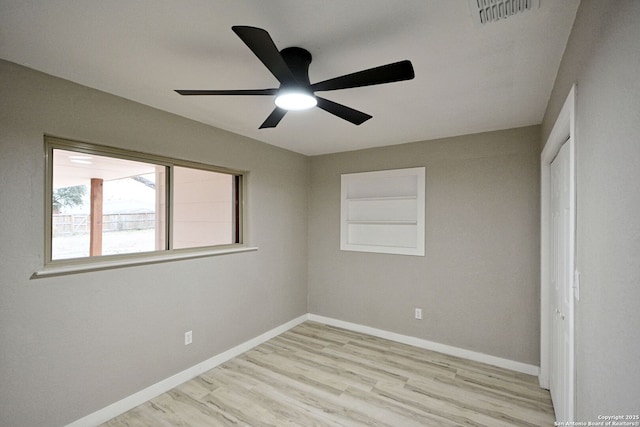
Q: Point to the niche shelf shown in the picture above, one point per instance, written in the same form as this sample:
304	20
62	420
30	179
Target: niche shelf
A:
383	211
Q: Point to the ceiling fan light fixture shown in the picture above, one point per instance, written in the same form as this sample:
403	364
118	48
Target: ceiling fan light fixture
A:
295	100
290	66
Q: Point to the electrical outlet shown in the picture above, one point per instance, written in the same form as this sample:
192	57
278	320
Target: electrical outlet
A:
188	337
418	313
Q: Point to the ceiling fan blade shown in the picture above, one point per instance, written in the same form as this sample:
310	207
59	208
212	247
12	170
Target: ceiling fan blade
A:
349	114
395	72
228	92
274	118
262	45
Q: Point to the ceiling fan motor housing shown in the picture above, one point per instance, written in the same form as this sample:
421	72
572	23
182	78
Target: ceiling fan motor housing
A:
298	60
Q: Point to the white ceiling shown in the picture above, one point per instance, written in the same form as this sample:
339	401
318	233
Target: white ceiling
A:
469	78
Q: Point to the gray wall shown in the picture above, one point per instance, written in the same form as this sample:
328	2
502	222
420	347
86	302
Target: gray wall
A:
478	284
71	345
603	58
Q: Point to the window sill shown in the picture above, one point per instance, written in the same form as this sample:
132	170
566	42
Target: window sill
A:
59	270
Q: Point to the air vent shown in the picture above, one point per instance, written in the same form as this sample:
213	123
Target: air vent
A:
485	11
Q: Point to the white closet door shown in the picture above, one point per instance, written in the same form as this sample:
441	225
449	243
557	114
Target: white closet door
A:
562	358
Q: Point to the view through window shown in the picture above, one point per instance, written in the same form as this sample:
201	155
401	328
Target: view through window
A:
106	205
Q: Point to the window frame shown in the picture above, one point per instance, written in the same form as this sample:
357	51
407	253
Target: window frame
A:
66	265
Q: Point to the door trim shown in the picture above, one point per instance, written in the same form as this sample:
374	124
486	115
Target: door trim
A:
563	131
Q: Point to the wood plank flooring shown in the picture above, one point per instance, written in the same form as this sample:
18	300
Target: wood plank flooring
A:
317	375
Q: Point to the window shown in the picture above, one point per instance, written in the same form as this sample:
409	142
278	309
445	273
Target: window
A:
203	208
383	211
104	201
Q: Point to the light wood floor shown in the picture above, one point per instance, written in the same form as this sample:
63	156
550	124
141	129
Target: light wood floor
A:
316	375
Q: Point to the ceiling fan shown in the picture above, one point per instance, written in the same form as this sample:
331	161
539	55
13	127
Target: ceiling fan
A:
291	67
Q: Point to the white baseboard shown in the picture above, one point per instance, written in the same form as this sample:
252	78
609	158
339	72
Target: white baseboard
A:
430	345
130	402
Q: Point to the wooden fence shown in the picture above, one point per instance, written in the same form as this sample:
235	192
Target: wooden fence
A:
63	225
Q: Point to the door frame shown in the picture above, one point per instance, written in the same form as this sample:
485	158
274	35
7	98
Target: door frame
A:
563	131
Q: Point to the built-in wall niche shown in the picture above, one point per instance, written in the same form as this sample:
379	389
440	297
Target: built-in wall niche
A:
383	211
